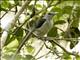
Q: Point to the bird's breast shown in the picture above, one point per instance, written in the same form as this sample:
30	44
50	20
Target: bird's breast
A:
45	28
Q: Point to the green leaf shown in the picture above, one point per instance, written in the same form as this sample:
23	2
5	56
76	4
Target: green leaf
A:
52	32
78	11
77	58
77	2
73	44
16	2
19	57
12	44
76	16
38	6
67	9
59	10
19	34
56	9
0	31
30	57
6	57
75	23
74	31
30	7
30	48
27	57
3	9
59	22
66	56
9	39
5	4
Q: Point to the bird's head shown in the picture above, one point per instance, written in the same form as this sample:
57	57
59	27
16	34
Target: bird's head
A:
50	15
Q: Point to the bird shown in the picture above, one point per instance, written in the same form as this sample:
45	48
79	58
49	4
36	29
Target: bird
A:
40	27
44	25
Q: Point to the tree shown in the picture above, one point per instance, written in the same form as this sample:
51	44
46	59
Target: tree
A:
61	41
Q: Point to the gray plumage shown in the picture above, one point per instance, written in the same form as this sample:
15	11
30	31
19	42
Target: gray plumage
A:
46	24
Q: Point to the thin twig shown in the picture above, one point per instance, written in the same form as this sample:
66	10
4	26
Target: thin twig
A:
51	38
70	53
43	55
39	50
54	41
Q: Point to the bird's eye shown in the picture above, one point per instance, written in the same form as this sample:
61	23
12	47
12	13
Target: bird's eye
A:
50	14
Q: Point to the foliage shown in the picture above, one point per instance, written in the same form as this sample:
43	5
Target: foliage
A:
68	12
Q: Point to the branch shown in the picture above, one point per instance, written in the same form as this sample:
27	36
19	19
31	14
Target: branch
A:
39	50
36	15
43	55
51	39
12	23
